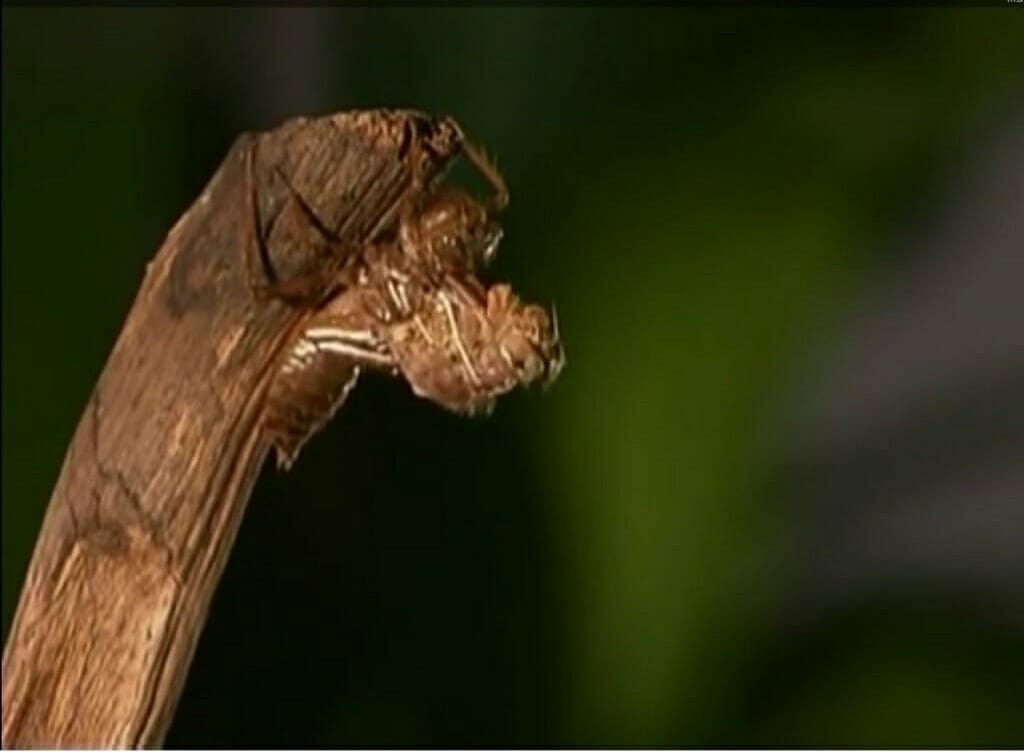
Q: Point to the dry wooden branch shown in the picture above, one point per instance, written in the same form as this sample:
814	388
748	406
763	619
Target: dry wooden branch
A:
159	470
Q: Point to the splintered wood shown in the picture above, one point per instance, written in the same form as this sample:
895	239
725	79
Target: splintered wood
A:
358	260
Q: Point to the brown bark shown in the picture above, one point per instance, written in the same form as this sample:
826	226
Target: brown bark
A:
162	463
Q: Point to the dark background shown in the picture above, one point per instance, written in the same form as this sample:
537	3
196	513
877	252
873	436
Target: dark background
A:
777	496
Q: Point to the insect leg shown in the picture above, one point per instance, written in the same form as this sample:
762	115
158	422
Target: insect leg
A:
302	214
414	160
307	289
456	334
261	280
476	155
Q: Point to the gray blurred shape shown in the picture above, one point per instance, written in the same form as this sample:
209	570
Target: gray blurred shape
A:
908	462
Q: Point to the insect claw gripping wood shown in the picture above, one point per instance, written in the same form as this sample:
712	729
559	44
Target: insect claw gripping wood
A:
489	169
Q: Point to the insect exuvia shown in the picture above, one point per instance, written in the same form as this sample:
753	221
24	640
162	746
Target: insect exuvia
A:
412	304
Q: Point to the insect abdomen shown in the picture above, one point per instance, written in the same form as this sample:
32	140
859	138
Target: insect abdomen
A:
314	377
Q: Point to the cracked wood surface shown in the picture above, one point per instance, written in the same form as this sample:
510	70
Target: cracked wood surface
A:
161	465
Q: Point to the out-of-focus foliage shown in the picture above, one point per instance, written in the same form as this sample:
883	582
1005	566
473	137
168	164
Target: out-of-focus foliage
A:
702	193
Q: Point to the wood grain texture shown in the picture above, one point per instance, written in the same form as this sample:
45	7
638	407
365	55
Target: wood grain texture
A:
161	465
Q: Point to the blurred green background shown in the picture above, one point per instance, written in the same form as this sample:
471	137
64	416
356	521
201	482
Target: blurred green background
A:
638	556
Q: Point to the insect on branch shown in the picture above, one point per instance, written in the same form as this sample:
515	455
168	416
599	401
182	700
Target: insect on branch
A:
410	303
246	336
